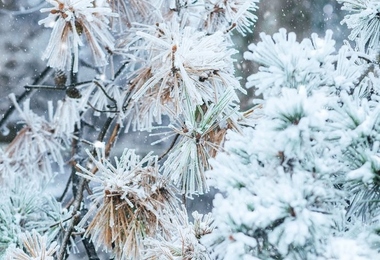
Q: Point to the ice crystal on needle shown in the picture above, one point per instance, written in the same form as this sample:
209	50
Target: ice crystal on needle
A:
201	134
364	22
185	244
285	62
70	19
36	147
37	247
131	203
184	62
221	14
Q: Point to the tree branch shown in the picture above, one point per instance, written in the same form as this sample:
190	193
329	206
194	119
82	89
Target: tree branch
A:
40	79
79	190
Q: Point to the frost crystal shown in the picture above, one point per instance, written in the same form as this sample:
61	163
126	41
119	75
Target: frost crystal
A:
184	63
37	247
131	203
201	133
288	63
185	243
70	19
364	22
229	14
36	146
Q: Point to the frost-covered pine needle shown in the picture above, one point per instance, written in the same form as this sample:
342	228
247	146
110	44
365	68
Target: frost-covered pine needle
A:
363	20
285	62
132	202
183	63
70	19
35	247
221	14
201	133
185	243
36	146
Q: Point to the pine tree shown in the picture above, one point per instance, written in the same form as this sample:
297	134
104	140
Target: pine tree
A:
296	174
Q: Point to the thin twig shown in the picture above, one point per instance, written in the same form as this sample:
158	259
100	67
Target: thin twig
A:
121	69
90	249
78	184
73	75
184	199
101	111
60	222
66	189
112	139
105	92
69	203
32	86
74	151
106	126
80	83
25	94
365	73
74	220
88	65
170	147
29	87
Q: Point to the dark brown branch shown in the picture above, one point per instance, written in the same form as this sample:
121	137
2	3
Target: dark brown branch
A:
40	79
170	147
105	92
106	126
78	194
62	87
121	69
76	216
66	189
101	111
90	249
112	139
29	87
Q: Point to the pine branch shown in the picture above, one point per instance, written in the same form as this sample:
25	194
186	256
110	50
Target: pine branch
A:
170	147
39	80
81	186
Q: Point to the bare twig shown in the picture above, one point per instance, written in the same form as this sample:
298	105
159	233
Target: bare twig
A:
121	69
39	80
61	87
106	126
29	87
74	220
90	249
73	75
112	139
101	111
170	147
105	92
66	189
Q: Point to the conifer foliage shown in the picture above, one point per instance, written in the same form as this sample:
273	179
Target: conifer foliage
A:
296	174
